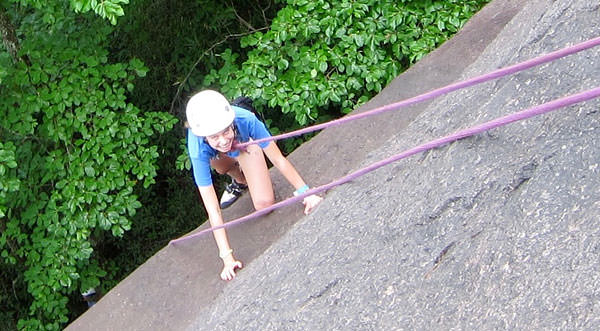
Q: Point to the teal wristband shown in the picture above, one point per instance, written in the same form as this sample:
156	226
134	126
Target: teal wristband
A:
301	190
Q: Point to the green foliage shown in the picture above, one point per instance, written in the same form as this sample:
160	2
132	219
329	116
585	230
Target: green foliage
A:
73	150
178	40
107	9
104	8
8	179
326	57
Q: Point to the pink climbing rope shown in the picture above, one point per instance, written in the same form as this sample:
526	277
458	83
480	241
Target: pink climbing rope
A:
553	105
530	112
438	92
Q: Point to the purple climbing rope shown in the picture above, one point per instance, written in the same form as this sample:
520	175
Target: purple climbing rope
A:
441	91
544	108
530	112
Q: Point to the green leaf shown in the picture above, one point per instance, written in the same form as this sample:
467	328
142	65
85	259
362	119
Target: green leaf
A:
89	171
313	73
322	67
282	64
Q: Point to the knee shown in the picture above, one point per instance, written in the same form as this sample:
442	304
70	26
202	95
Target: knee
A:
263	203
222	168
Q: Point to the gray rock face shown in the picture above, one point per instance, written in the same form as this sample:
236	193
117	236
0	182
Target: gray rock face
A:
496	231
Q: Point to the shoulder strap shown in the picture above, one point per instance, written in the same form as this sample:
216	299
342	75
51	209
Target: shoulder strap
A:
248	104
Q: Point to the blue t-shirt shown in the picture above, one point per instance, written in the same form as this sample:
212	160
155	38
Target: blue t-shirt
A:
247	125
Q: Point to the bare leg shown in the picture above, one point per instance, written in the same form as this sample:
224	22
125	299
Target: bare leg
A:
227	165
253	164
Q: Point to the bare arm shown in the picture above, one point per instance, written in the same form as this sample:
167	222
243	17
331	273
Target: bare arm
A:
291	174
284	165
211	203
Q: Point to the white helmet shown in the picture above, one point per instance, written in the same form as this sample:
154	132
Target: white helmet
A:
208	112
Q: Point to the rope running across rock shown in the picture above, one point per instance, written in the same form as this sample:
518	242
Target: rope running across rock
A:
518	116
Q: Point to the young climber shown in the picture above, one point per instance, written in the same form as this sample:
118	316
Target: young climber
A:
226	165
215	126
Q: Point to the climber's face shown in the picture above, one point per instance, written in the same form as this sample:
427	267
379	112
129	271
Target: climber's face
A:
222	141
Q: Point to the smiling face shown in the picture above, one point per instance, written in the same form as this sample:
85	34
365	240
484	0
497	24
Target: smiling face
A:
222	141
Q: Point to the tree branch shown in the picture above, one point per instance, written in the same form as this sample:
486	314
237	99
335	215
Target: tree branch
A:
9	37
243	21
210	49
